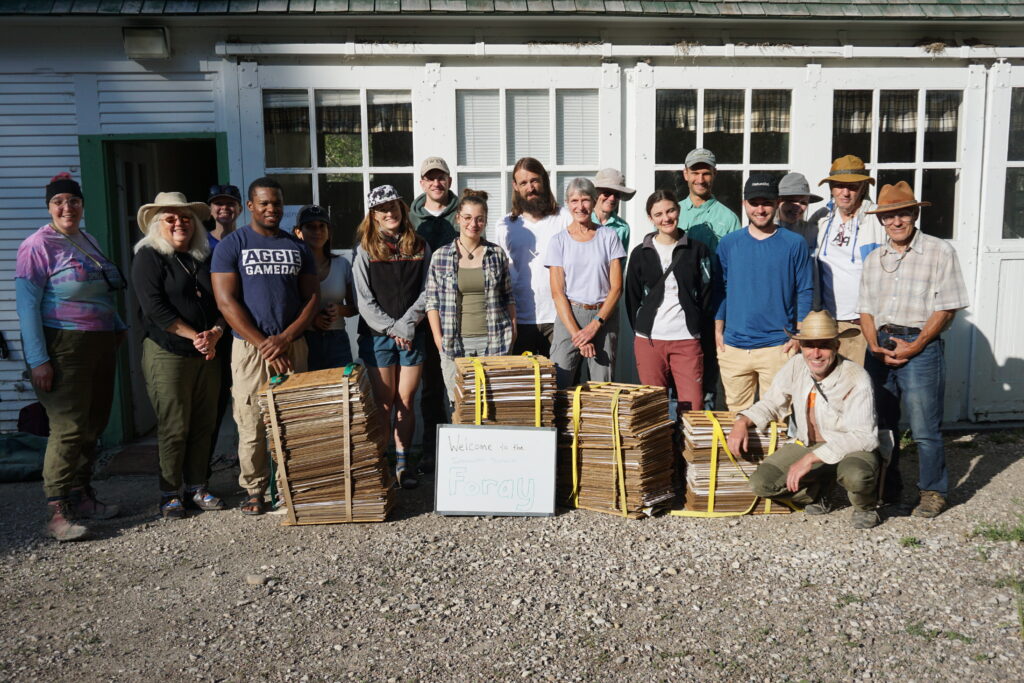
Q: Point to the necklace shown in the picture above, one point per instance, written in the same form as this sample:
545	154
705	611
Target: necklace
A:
192	272
899	261
469	253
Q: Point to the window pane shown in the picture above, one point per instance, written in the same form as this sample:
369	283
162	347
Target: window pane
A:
389	118
298	188
286	128
769	126
723	125
342	195
851	124
564	178
942	123
728	190
675	127
939	188
478	124
577	121
897	125
403	182
1016	147
1013	205
338	128
891	177
527	125
670	180
489	183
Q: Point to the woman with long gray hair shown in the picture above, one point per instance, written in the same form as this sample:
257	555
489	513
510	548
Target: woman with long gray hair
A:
585	265
171	276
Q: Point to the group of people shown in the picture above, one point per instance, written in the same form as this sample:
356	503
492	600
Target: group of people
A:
861	292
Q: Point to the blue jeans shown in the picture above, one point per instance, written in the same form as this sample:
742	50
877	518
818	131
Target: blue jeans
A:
920	385
378	351
328	349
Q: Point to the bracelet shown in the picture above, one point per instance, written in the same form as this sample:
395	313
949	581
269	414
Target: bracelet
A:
220	330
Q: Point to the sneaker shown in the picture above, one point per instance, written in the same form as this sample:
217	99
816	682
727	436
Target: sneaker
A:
172	508
864	519
85	505
406	479
930	505
204	500
62	525
822	506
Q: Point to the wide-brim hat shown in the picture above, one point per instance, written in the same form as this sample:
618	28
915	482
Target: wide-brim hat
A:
170	200
894	197
796	185
612	179
848	169
821	326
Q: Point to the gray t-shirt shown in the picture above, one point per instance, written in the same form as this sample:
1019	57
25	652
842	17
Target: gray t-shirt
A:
586	264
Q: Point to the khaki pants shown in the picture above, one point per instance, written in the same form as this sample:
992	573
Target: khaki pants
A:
184	391
248	373
853	348
745	370
856	472
78	405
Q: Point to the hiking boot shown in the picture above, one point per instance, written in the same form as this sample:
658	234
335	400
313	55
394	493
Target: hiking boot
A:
204	500
86	505
864	519
172	508
62	525
822	506
930	505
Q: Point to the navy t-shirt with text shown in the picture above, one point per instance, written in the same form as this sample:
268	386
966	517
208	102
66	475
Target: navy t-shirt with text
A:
269	268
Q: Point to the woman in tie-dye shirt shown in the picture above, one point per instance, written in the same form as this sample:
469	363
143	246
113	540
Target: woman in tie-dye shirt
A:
70	331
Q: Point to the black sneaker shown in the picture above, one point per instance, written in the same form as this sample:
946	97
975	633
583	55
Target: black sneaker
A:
406	479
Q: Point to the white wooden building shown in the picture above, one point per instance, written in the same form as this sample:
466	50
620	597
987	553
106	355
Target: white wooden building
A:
331	97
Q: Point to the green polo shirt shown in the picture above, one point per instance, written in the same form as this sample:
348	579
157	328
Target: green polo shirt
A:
709	222
620	227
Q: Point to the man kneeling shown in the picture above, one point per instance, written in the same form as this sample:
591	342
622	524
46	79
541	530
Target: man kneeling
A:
834	412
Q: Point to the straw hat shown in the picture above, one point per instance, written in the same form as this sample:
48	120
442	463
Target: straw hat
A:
820	326
170	200
894	197
848	169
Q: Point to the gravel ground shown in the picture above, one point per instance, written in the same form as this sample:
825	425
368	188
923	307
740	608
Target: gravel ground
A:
580	596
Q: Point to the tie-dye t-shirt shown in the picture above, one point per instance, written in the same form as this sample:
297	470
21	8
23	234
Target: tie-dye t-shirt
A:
58	286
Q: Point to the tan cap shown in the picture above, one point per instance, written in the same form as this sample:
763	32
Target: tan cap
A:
434	163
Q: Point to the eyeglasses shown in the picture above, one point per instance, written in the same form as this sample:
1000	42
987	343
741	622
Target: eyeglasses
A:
73	203
905	214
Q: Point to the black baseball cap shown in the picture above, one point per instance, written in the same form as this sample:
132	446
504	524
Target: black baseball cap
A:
311	213
761	186
229	191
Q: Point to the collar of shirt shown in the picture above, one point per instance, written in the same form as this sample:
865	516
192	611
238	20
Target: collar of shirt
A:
708	203
612	221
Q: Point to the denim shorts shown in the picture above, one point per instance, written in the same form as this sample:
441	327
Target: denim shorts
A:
383	352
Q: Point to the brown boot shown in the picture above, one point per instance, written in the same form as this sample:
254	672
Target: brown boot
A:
930	505
86	506
62	525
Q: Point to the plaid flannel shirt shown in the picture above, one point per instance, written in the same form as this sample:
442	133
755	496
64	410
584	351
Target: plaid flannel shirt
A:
442	295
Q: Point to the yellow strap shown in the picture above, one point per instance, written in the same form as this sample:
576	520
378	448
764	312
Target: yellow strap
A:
480	386
620	460
536	387
574	497
719	437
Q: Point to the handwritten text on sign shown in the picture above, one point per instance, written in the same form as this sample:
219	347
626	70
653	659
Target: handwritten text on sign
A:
495	470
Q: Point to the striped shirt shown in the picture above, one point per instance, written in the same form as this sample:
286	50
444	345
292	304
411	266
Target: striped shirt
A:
906	288
442	295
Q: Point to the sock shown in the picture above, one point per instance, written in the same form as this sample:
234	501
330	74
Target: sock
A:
400	460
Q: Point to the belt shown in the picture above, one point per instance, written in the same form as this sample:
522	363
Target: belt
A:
900	330
588	307
853	321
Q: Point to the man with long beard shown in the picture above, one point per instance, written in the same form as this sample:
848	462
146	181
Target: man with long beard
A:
524	234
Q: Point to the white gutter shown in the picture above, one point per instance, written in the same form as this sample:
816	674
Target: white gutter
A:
607	50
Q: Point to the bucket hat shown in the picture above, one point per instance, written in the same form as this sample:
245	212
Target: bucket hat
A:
794	185
848	169
612	179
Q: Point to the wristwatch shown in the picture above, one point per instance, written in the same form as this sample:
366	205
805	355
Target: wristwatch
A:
599	319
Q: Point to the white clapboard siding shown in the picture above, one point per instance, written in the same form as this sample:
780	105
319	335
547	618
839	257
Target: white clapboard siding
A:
156	103
38	139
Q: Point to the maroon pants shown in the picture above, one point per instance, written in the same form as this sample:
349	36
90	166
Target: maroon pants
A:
678	363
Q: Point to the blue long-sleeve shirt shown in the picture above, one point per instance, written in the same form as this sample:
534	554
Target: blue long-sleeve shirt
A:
764	287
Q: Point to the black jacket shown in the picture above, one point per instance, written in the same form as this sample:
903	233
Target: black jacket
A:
692	273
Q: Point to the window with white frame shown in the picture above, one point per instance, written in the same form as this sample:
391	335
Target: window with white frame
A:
363	138
1013	204
748	130
496	128
910	135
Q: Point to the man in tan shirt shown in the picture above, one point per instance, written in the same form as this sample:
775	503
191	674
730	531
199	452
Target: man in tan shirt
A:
833	408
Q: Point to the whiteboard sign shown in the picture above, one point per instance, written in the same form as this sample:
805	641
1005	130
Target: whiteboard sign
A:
495	470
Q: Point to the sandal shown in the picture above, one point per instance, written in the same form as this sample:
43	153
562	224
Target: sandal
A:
204	500
252	505
172	508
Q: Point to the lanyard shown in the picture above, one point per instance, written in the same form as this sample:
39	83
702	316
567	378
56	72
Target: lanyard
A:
856	232
79	247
